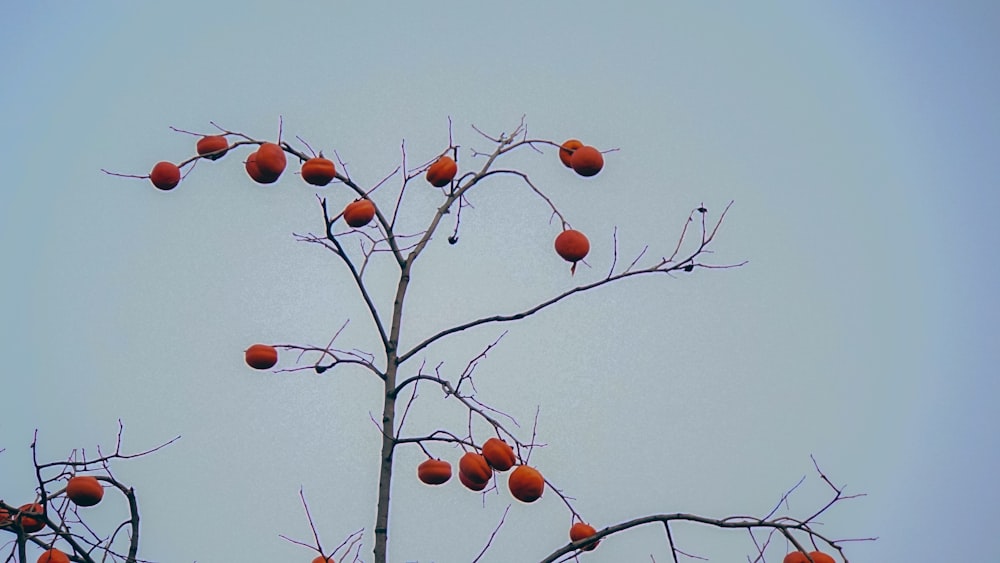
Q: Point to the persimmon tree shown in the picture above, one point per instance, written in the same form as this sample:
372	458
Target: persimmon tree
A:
361	224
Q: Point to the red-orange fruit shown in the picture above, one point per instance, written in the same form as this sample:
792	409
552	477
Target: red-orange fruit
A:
318	171
572	245
261	356
434	471
321	559
165	175
526	483
566	151
581	531
820	557
53	556
475	467
795	557
84	490
27	523
442	172
470	484
499	454
359	213
213	147
587	161
271	159
254	171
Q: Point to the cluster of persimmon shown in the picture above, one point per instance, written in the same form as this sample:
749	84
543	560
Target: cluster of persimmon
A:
475	470
264	166
82	490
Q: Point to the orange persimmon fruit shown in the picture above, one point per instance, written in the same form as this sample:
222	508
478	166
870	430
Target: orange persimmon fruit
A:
526	483
470	484
271	159
318	171
321	559
566	151
581	531
212	147
84	490
53	556
820	557
434	472
261	356
442	172
587	161
795	557
499	454
572	245
475	467
359	213
165	175
27	523
254	171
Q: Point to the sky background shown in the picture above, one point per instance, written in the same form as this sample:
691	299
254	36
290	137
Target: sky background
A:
858	141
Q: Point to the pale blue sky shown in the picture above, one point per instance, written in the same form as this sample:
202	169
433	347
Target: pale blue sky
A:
859	143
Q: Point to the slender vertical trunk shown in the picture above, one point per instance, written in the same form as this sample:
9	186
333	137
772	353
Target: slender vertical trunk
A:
389	421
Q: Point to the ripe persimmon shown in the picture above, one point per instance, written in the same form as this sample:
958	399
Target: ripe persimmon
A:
53	556
321	559
165	175
255	172
359	213
470	484
261	356
795	557
581	531
572	245
566	151
475	467
499	454
27	523
271	159
820	557
318	171
587	161
434	471
526	483
213	147
84	490
442	172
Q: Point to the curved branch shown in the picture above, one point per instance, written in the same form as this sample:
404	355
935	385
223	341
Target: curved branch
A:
733	522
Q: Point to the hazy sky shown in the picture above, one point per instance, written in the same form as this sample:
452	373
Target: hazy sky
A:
859	143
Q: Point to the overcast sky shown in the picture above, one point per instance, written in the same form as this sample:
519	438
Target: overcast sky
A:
858	142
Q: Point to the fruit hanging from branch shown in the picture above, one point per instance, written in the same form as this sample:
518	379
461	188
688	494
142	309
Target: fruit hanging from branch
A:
499	454
84	490
587	161
566	151
359	213
442	172
581	531
526	483
254	171
434	472
261	356
318	171
212	147
165	175
572	246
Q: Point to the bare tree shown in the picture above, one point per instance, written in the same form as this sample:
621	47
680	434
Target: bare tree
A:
369	230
